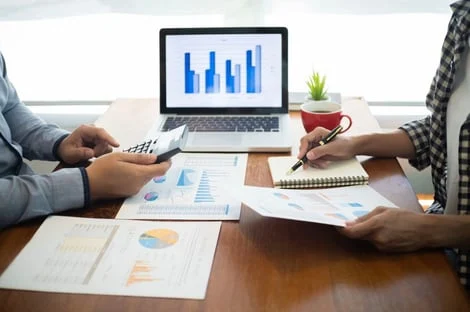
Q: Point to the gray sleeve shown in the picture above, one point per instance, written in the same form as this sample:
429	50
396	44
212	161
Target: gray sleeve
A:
36	137
27	196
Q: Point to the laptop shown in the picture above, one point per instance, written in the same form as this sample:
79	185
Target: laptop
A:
228	85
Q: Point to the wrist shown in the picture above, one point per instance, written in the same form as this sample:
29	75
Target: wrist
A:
56	148
86	187
357	145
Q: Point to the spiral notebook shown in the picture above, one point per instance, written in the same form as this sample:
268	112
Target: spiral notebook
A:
338	173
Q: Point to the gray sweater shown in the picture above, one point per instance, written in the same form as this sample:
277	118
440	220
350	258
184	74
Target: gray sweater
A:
24	194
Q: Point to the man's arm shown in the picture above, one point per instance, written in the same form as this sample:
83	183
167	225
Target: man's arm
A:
449	231
392	144
391	229
24	197
36	138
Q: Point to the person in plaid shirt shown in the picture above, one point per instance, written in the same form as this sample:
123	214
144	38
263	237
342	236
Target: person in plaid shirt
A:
440	140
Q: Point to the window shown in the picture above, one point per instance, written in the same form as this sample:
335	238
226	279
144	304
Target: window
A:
67	50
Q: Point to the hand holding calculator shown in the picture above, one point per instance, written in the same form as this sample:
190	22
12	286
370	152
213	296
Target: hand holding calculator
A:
166	145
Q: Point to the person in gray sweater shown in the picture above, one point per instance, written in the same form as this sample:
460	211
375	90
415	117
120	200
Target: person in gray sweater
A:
25	194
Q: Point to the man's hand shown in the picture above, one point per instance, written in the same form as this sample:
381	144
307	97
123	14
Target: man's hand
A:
84	143
123	174
391	229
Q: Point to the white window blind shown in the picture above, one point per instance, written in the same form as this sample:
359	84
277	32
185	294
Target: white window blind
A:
71	50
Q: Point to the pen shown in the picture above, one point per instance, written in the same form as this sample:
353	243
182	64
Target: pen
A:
330	136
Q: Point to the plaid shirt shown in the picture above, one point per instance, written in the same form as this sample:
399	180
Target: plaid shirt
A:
429	134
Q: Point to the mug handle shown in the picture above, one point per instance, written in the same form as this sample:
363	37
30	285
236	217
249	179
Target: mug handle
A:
349	125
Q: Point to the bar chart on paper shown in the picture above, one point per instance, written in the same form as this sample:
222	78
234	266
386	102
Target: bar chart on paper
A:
116	257
194	188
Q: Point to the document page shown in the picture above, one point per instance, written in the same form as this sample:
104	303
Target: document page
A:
193	189
116	257
332	206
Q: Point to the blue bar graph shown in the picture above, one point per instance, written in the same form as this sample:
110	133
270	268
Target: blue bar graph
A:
191	79
253	72
203	193
232	82
212	79
232	74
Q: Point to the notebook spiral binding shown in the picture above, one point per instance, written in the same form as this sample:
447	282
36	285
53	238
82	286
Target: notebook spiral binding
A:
323	182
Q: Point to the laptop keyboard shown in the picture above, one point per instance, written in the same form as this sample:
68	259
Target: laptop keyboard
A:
224	123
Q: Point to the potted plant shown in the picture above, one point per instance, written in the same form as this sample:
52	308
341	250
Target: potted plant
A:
317	87
317	90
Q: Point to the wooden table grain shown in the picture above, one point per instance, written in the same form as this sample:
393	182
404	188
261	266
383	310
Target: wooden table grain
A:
266	264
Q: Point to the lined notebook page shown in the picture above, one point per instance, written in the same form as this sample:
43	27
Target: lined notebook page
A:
338	173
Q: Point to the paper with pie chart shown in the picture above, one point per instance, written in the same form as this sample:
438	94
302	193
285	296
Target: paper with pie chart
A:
329	206
193	189
116	257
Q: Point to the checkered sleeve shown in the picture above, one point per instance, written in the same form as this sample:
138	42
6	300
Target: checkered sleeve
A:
418	132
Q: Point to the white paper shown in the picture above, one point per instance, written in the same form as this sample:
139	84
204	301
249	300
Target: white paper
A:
193	189
116	257
332	206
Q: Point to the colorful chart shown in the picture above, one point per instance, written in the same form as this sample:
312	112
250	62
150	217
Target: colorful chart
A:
141	272
360	213
158	238
281	196
151	196
160	179
294	205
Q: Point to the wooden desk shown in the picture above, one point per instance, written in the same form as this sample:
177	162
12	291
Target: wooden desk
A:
264	264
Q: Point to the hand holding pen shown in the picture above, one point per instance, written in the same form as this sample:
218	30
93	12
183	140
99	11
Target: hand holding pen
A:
330	136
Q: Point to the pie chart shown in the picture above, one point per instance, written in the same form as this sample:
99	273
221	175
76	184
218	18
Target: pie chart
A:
158	238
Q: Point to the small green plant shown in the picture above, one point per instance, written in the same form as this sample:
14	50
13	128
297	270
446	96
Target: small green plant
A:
317	87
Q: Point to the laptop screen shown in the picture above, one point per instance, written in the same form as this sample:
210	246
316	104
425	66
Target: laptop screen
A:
223	70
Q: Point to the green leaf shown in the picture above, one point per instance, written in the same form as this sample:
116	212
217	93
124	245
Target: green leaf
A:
316	84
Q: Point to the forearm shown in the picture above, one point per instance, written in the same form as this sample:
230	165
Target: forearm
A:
36	137
447	231
27	196
391	144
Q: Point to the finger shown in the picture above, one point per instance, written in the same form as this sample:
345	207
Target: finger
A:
359	230
83	153
155	170
310	140
319	152
319	163
102	149
304	147
378	210
96	134
137	158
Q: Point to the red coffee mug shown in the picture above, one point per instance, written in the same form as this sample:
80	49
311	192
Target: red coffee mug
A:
324	114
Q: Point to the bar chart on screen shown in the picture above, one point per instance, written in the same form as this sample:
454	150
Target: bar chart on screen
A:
213	70
232	74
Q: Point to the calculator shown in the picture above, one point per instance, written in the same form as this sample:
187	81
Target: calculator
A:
164	145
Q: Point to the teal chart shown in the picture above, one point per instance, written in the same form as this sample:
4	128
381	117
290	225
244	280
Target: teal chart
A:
194	188
332	206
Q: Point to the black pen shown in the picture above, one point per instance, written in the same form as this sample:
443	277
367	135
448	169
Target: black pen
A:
330	136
